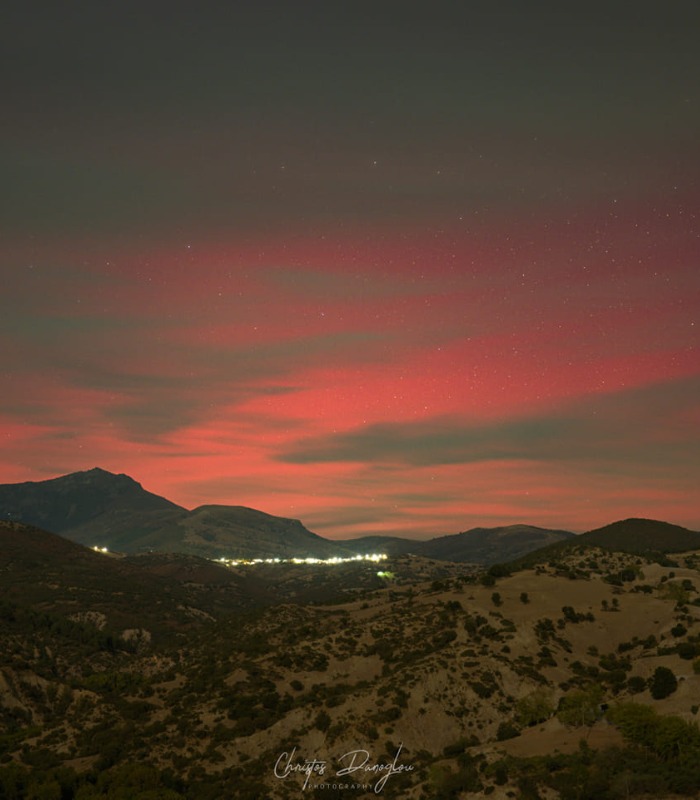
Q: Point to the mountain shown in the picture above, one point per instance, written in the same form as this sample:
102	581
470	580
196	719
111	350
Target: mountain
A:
492	545
66	503
239	532
97	507
94	507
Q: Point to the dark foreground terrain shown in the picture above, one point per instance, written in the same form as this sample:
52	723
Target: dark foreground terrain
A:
575	675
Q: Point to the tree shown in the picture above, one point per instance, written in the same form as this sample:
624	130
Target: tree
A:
533	708
636	721
581	707
663	683
636	684
499	571
670	738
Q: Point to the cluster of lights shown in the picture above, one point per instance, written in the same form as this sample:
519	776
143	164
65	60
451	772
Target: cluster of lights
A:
236	562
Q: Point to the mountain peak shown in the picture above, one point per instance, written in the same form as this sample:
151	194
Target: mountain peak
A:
99	471
66	502
96	506
103	474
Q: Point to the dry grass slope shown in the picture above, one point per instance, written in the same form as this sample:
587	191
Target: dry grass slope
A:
471	681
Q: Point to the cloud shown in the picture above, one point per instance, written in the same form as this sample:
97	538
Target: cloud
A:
612	431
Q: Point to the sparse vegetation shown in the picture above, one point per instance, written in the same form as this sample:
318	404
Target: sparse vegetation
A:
438	669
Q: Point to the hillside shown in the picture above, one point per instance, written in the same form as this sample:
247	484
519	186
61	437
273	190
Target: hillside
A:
238	532
475	546
634	536
70	501
99	508
465	683
49	574
643	536
391	545
489	545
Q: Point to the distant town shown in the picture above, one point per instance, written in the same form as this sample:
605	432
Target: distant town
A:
242	562
236	562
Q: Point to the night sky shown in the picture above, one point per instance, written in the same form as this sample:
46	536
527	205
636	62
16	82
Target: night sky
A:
389	267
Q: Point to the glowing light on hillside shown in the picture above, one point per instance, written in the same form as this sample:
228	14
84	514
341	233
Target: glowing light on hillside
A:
242	562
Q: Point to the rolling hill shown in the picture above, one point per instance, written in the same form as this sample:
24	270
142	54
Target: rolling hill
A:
483	691
51	574
642	536
489	545
475	546
634	536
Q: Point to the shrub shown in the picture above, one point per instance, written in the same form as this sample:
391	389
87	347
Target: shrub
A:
322	721
581	707
506	730
499	571
663	683
534	708
687	650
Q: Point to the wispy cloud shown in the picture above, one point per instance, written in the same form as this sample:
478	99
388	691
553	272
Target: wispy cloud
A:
619	431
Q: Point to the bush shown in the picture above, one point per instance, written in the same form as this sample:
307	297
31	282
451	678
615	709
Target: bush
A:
506	730
581	707
687	650
499	571
534	708
663	683
322	721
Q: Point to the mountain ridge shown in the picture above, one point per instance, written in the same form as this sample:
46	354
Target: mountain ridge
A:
96	507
